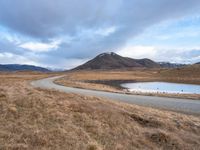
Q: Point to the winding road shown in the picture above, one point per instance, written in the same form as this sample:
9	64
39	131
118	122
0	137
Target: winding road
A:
173	104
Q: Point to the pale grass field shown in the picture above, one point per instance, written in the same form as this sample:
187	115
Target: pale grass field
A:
80	79
42	119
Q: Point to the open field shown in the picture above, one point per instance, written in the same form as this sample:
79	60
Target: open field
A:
111	80
44	119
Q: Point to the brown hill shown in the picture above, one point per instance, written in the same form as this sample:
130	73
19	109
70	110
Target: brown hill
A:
189	71
112	60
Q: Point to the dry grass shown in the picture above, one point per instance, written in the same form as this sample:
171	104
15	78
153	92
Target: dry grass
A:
41	119
80	79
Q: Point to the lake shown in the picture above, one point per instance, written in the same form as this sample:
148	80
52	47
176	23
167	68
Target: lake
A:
162	87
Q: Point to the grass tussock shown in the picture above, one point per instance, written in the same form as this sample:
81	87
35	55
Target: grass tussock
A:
42	119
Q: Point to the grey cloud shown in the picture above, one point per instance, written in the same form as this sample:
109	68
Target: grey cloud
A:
43	20
7	46
48	18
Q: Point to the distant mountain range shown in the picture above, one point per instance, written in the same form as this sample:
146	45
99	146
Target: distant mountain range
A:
171	65
112	60
16	67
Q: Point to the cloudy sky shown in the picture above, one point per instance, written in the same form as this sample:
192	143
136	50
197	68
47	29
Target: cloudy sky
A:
66	33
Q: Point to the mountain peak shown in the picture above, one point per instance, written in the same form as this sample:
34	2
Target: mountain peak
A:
107	54
111	60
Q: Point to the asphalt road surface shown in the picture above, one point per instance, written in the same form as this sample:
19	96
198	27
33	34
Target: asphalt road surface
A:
173	104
